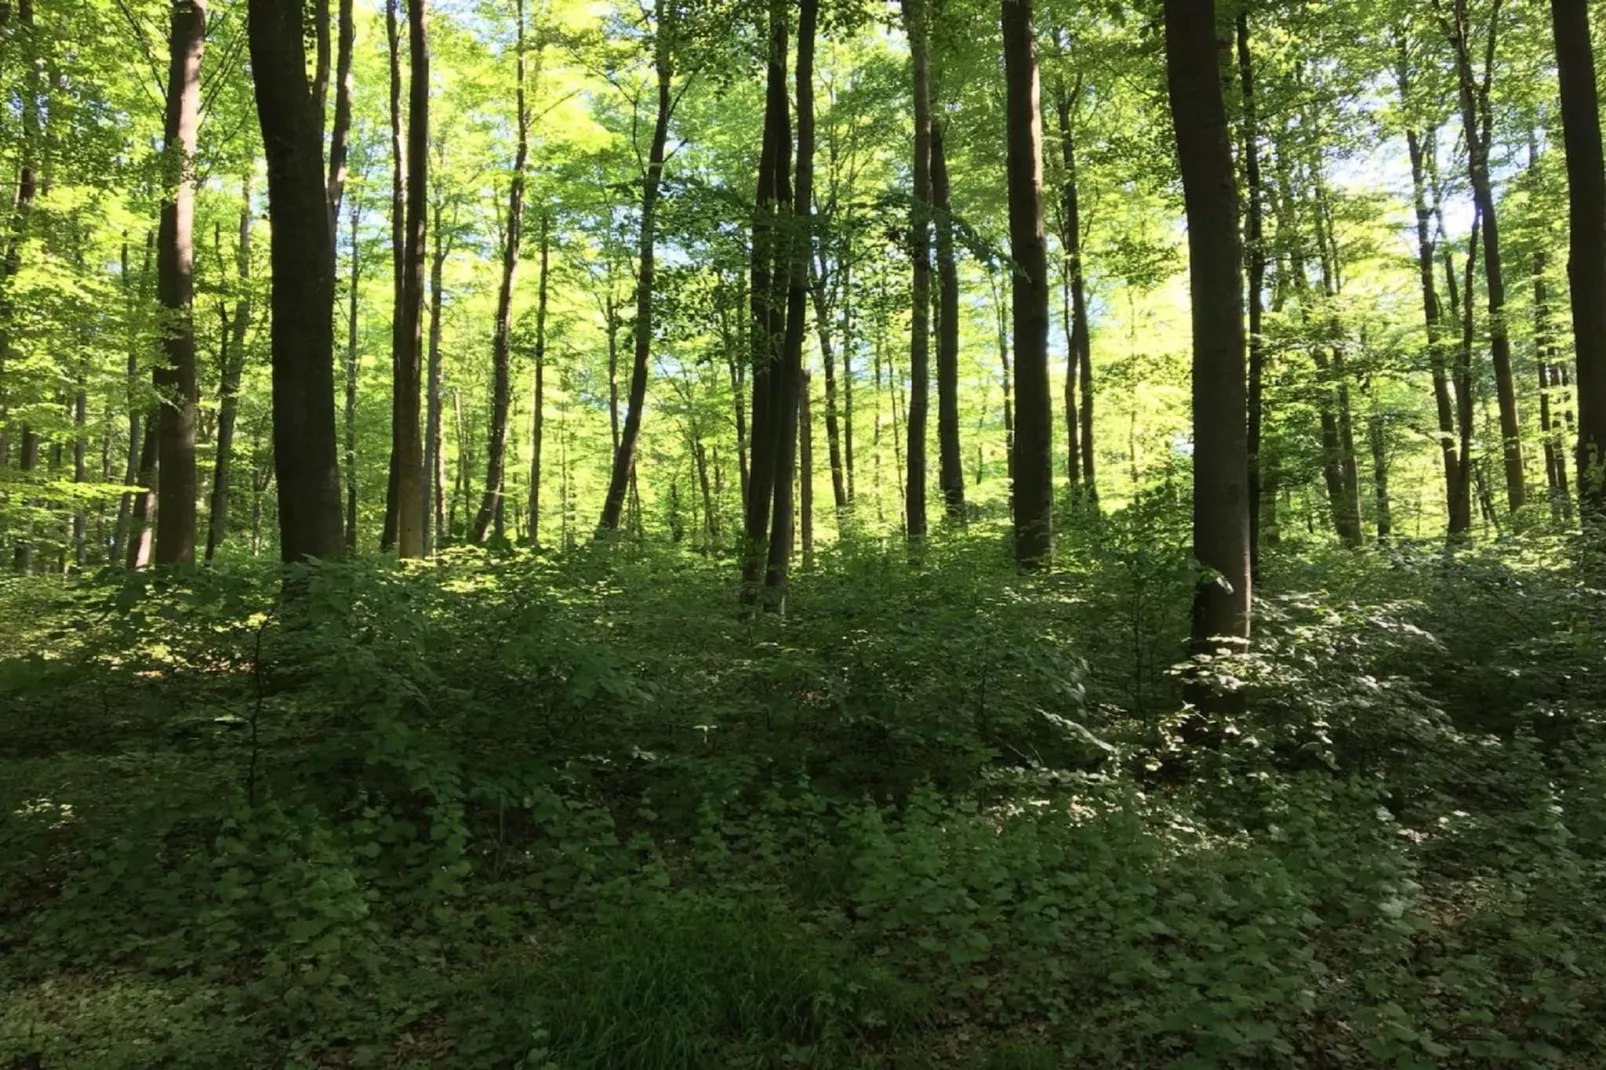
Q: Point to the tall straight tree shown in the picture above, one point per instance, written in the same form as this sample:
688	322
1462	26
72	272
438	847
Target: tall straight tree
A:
1477	119
231	329
1586	264
918	28
409	457
304	453
491	506
790	382
538	396
398	258
769	257
950	458
624	457
1255	240
175	288
1220	452
1080	466
1031	461
340	133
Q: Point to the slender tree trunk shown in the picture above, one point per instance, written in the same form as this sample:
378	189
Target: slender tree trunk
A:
304	450
80	414
950	457
1380	478
833	436
538	394
768	269
1586	266
398	268
353	365
135	401
1255	242
805	463
1079	417
919	32
229	391
434	509
1477	121
624	460
1220	404
501	344
1073	365
791	381
1431	315
340	134
175	258
845	299
1033	496
1003	362
409	443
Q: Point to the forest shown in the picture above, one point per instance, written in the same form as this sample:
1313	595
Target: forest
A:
853	534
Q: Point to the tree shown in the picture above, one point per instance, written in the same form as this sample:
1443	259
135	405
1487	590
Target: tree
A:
1220	453
231	359
950	456
624	460
175	258
1586	265
1031	460
1255	248
1478	130
302	278
491	506
409	456
916	26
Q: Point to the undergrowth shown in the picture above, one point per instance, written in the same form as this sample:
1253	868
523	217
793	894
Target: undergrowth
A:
575	813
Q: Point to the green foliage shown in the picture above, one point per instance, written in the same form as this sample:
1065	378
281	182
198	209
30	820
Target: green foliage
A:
576	812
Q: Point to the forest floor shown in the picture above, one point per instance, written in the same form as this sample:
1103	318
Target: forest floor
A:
576	813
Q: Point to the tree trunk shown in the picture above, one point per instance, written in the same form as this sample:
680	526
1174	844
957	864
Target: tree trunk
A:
353	358
409	462
950	457
791	382
833	436
1255	241
805	468
1477	121
919	32
1460	518
1033	470
624	459
340	134
1380	478
491	506
175	258
1586	266
303	344
1220	448
434	477
538	397
398	268
1079	417
768	268
229	390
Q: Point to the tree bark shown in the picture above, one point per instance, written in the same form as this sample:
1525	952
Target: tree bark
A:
538	398
1080	460
624	459
1220	448
791	382
353	365
1478	124
340	134
435	528
805	468
1033	494
409	461
919	32
303	344
398	266
950	456
229	391
768	269
1586	265
833	436
1255	242
502	340
175	259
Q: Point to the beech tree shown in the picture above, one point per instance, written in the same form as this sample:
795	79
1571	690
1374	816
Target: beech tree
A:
1220	453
